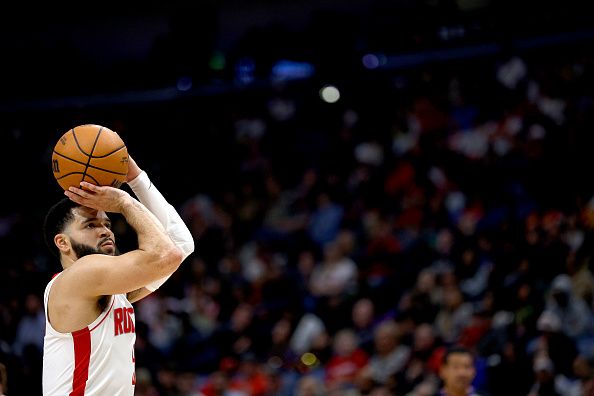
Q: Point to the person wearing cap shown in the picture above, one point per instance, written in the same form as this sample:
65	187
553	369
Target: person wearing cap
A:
544	375
571	309
552	342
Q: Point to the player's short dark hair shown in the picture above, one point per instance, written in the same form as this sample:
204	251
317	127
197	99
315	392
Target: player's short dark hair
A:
56	219
454	350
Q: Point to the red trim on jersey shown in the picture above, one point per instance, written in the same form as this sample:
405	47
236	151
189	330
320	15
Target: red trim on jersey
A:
106	314
56	274
82	356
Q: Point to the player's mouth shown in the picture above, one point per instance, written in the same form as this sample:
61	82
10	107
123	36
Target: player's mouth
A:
107	243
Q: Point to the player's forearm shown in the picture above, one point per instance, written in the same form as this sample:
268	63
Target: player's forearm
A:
149	196
175	227
152	237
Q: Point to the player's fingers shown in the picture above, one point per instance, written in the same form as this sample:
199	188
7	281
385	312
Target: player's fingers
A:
80	192
89	186
73	197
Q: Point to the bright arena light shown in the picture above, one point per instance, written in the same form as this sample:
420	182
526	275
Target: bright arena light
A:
371	61
329	94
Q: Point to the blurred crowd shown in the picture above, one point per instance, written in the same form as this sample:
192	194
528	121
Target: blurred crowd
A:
351	244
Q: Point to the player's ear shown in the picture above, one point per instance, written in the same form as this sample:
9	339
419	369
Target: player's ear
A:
62	242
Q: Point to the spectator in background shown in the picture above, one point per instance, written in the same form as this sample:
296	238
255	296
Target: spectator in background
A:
279	347
544	372
363	322
425	358
581	383
310	386
571	309
219	384
346	361
250	376
144	383
31	328
388	358
3	380
333	284
336	275
421	302
555	344
473	273
457	372
237	336
454	315
326	219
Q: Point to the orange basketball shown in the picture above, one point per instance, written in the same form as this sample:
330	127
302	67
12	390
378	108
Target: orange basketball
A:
91	153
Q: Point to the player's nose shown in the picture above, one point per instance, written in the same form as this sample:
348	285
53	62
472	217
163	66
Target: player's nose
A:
104	232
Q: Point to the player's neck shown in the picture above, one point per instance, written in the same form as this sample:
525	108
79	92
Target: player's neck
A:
67	260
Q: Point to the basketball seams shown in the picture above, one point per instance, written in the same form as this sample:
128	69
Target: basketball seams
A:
78	173
123	146
92	149
78	145
90	165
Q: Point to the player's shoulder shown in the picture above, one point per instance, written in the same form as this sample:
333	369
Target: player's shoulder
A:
88	263
82	272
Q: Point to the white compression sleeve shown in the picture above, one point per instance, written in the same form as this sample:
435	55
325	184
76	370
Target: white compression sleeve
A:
149	196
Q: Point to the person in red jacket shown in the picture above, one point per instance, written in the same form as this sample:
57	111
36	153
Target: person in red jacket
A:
346	361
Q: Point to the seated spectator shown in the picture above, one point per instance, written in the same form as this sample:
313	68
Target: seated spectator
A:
219	384
335	276
454	315
425	358
309	335
144	383
571	309
237	335
420	302
555	344
581	383
250	376
3	380
363	322
310	386
31	328
388	359
279	349
544	373
333	283
346	361
325	221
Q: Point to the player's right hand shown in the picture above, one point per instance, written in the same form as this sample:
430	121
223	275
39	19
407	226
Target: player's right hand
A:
106	198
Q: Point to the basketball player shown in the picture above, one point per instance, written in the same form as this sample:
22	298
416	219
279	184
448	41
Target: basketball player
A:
90	333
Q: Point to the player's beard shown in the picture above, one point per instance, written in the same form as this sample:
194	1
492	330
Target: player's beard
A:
82	250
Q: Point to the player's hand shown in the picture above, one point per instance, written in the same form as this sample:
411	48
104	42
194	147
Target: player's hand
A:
133	169
104	198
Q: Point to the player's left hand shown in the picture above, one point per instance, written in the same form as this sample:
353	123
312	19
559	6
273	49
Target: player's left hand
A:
106	198
133	169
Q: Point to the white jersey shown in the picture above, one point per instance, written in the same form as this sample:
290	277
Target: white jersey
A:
95	361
